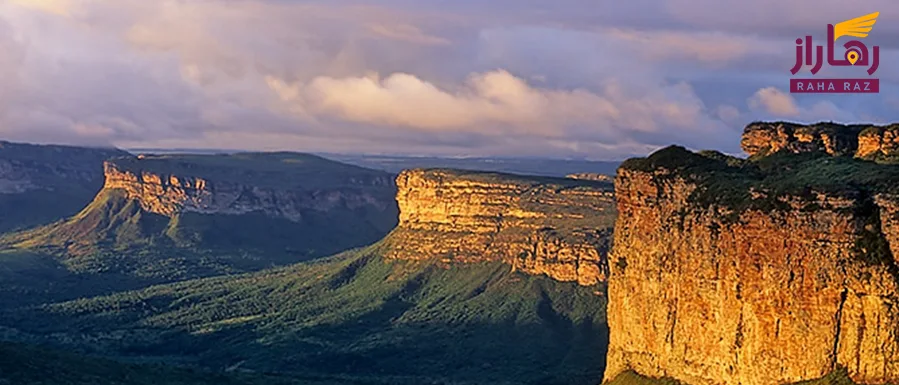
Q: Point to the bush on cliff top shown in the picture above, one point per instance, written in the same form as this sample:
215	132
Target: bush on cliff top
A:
728	181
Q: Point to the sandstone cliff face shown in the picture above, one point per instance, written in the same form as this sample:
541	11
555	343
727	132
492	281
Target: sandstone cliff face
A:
591	176
168	194
552	226
709	294
879	143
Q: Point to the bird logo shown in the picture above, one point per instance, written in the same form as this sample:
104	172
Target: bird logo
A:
857	27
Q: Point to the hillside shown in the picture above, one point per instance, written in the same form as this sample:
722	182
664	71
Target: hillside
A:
22	364
356	315
776	269
40	184
174	217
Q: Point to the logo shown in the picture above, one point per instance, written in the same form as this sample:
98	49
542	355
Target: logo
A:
855	54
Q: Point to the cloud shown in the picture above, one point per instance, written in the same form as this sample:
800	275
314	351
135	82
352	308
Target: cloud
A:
567	78
498	103
408	33
702	47
775	102
772	103
56	7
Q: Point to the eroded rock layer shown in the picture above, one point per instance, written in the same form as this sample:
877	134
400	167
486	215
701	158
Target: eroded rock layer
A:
550	226
171	185
879	143
770	287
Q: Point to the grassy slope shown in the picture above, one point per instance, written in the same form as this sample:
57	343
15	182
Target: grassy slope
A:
352	315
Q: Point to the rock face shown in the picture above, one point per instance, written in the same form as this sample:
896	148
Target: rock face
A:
880	143
550	226
591	176
168	193
771	290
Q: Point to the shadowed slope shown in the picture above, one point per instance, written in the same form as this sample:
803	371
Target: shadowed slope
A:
355	314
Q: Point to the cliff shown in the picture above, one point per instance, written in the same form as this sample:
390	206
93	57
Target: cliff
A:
278	185
771	271
44	183
290	204
591	176
869	142
552	226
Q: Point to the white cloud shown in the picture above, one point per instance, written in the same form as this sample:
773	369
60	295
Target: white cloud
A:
775	102
771	102
496	103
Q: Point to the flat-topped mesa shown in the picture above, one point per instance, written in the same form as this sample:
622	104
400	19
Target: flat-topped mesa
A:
771	271
285	185
869	142
552	226
592	176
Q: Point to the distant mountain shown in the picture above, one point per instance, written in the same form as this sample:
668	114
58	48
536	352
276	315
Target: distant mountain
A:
40	184
521	166
172	217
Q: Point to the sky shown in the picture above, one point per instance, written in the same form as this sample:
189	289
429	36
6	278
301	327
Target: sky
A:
586	79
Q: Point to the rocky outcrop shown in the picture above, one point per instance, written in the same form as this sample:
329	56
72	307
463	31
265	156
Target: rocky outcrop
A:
169	194
591	176
550	226
880	143
767	286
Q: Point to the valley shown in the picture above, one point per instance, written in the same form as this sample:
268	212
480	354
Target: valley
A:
695	268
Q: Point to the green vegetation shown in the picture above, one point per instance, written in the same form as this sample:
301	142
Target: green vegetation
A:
728	182
354	315
115	223
113	245
23	364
